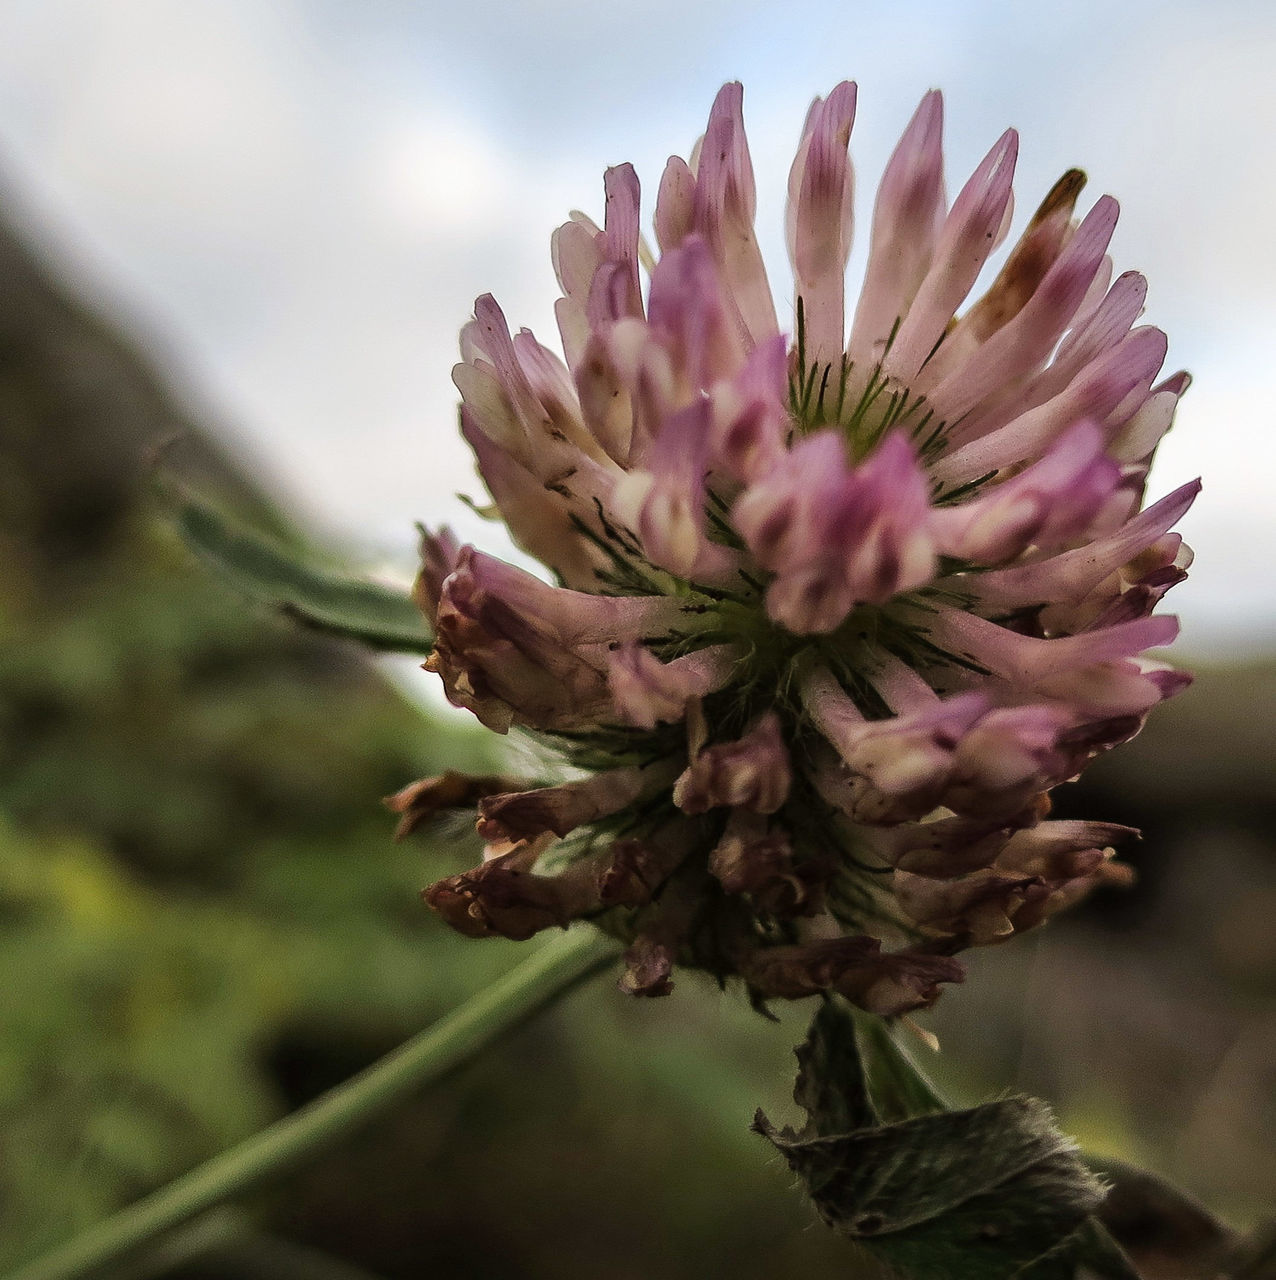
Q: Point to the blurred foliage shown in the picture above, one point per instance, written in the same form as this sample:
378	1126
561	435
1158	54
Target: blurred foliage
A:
377	616
194	859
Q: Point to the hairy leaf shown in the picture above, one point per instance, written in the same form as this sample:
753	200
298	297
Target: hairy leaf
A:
357	608
987	1193
1089	1253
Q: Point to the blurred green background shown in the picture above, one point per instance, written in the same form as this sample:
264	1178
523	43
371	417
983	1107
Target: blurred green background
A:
204	921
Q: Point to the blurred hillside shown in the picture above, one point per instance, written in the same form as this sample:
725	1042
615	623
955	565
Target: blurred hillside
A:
203	920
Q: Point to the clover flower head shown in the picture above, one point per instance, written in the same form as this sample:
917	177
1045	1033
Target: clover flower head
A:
838	597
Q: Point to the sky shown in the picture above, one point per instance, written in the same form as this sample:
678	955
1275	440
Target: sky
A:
293	204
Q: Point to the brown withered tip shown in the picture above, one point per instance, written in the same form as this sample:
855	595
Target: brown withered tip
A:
885	983
455	902
424	799
494	900
628	878
648	965
1042	242
1063	195
760	862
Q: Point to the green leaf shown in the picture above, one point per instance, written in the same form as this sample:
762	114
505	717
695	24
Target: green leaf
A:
359	609
831	1085
1089	1253
980	1194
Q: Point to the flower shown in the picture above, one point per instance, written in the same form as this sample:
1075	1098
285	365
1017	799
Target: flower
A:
836	603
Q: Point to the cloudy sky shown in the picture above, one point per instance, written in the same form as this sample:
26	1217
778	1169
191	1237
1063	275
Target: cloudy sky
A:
295	202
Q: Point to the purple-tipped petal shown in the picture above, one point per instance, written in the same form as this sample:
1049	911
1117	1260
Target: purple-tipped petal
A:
1022	345
724	205
750	417
820	221
906	220
688	311
515	650
908	755
1099	391
1045	505
963	247
834	536
1071	575
1027	661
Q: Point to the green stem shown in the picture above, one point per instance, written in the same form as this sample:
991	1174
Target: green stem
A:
899	1087
553	970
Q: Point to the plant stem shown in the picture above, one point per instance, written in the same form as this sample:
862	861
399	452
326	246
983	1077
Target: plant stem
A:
900	1088
553	970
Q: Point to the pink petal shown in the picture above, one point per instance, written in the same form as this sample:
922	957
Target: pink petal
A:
820	218
1022	345
964	244
1071	575
906	220
540	520
675	205
725	202
648	692
664	504
687	309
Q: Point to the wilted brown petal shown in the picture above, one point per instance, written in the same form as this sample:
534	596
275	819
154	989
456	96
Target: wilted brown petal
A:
648	965
422	800
756	859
